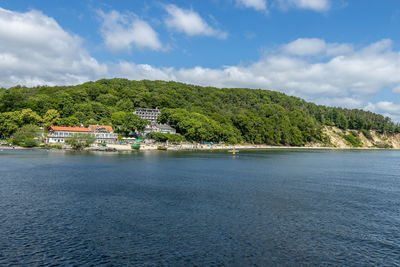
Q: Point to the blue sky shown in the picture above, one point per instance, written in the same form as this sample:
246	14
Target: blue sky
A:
337	53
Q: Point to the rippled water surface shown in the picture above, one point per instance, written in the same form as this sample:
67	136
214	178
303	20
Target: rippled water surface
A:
265	208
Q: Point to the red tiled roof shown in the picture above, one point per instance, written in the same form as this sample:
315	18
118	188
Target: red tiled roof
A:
107	127
69	129
91	128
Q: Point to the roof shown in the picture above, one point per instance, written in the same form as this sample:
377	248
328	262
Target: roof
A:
69	129
92	128
95	127
149	110
164	127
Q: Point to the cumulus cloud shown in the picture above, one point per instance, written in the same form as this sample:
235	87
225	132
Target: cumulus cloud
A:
385	108
396	89
344	77
362	72
255	4
190	23
344	102
316	5
121	31
314	46
34	50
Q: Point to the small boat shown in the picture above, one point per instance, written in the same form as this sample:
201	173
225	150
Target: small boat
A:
233	151
161	148
135	146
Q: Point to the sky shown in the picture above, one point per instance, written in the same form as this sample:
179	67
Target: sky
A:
333	52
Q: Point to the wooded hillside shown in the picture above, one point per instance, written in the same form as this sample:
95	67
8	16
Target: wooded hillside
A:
198	113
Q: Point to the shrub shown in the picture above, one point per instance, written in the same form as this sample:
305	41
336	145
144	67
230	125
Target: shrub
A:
27	136
163	137
30	142
367	134
80	140
58	146
383	145
353	139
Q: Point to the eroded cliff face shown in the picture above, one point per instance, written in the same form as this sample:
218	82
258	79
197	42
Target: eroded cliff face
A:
375	140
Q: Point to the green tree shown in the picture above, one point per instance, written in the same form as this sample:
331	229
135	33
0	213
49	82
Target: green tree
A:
8	124
198	113
51	118
79	141
28	136
117	118
353	139
27	116
125	122
13	99
69	121
342	122
124	105
107	99
163	137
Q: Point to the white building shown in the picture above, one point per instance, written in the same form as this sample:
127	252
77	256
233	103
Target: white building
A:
102	133
159	128
148	114
152	115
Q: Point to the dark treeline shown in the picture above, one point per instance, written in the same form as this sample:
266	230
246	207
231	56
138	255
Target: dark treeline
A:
198	113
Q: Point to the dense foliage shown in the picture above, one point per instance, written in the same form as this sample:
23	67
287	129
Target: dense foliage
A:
353	139
198	113
164	137
127	122
27	136
79	141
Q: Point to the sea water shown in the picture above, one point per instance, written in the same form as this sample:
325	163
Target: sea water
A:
162	208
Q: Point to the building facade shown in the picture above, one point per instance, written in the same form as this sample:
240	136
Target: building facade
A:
148	114
159	128
102	133
152	115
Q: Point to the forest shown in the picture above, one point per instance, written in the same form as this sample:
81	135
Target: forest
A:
201	114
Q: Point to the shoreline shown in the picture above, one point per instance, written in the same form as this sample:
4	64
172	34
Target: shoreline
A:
203	147
194	147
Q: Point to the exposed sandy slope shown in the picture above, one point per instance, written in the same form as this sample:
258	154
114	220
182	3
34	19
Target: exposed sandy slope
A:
335	134
338	141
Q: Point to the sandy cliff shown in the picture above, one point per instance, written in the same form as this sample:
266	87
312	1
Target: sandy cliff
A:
376	140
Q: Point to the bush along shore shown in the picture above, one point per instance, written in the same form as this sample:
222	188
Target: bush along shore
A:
200	115
339	139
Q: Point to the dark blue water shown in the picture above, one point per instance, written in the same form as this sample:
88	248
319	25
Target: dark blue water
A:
270	208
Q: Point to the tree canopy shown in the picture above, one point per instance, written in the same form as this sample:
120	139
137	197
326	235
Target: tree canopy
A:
198	113
79	141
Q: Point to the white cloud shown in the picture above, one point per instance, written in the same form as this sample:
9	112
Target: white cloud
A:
189	22
345	77
396	89
35	50
363	72
345	102
316	5
121	31
303	47
386	108
255	4
314	46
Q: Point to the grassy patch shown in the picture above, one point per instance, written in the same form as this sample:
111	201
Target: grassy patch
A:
383	145
353	139
367	134
58	146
